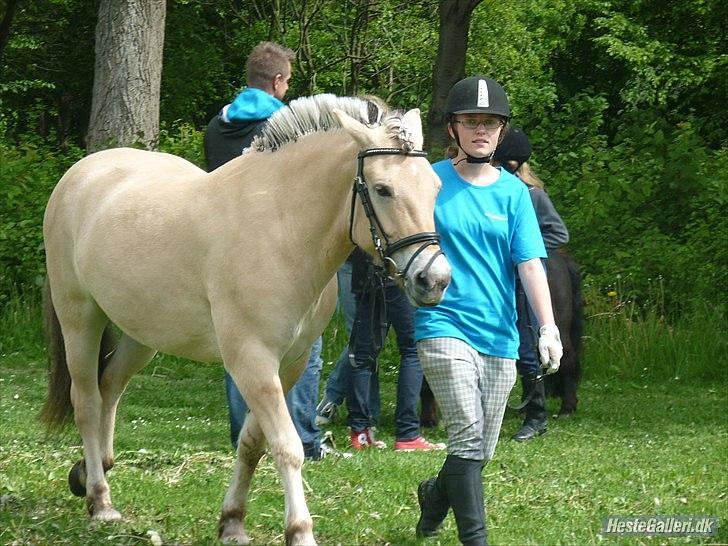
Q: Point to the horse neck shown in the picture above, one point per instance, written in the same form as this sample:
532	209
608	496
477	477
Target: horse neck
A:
309	182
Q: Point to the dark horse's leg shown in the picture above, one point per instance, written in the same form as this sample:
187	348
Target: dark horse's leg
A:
565	286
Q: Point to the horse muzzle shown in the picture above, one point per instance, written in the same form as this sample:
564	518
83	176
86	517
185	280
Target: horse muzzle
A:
427	279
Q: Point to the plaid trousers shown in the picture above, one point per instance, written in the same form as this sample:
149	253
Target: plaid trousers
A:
471	390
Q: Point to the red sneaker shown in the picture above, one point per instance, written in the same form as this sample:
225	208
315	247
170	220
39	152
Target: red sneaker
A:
364	439
359	440
417	444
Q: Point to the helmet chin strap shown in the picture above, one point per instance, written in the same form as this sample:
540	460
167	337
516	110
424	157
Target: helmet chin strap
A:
471	158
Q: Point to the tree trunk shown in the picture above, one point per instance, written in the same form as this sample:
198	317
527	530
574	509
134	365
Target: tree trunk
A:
10	9
455	18
127	74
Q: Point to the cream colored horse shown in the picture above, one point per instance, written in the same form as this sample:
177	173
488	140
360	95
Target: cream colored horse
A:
235	266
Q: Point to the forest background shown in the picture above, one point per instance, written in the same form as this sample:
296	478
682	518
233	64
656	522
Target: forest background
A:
625	102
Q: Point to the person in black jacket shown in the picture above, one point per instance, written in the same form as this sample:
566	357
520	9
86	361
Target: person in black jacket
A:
228	134
513	154
380	303
234	127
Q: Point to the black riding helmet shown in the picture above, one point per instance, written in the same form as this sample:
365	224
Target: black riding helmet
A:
476	95
514	146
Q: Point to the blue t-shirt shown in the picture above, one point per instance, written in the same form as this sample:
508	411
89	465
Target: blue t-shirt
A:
485	231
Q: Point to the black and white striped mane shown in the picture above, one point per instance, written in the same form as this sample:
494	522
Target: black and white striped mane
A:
314	114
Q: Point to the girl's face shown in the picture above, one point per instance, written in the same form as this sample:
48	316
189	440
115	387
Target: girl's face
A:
478	133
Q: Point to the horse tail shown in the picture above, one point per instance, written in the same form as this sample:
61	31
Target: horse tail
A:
57	412
577	306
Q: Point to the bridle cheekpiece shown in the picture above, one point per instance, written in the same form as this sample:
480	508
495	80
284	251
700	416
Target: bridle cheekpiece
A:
382	245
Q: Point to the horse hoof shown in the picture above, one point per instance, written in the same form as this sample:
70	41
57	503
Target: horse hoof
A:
238	539
232	531
106	515
77	479
301	541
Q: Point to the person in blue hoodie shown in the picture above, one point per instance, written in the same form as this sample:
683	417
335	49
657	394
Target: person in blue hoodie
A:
268	71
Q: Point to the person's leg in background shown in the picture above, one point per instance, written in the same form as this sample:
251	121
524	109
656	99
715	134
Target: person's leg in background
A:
362	367
301	402
529	368
237	409
337	384
401	315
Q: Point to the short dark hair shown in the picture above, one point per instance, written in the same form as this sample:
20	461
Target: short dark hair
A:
266	61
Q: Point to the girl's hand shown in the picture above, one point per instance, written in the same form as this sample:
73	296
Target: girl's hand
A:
550	348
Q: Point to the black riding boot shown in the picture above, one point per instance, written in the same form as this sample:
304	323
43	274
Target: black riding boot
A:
433	507
535	422
464	487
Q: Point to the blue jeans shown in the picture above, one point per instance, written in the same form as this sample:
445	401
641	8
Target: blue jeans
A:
337	384
301	401
528	360
401	315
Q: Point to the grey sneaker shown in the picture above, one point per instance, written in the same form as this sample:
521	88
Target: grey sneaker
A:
325	412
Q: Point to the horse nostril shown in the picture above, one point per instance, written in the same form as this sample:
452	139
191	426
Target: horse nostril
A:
422	281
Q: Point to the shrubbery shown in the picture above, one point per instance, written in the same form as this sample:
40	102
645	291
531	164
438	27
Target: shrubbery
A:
646	209
644	206
28	173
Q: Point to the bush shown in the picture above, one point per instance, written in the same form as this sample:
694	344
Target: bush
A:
642	200
28	175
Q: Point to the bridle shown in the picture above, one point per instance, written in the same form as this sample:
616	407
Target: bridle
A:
385	248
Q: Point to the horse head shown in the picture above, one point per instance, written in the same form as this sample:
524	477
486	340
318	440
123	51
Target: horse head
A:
393	214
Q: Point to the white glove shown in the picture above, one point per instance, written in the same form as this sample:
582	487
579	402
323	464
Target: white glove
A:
550	348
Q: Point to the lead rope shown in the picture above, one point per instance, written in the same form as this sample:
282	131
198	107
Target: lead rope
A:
375	291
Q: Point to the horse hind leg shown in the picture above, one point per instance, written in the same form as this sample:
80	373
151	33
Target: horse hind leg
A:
128	358
83	324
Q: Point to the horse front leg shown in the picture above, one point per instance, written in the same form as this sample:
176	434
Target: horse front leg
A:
263	393
569	384
251	445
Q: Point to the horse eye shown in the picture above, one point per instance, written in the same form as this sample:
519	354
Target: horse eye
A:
382	191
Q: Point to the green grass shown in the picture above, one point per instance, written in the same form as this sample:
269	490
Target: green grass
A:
636	446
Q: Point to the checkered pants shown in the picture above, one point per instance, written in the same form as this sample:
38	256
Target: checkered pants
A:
471	390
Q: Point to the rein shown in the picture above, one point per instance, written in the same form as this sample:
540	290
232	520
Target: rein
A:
386	250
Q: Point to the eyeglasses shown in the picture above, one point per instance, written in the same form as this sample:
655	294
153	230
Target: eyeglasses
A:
489	124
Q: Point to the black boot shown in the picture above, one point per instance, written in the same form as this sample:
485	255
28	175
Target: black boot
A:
433	507
535	423
464	488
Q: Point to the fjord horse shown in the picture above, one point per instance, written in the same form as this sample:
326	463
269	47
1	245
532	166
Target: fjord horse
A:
237	266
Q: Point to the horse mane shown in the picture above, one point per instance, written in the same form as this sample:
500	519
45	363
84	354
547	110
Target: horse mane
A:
314	114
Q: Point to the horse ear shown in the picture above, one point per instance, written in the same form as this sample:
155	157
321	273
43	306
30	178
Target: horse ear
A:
360	132
413	122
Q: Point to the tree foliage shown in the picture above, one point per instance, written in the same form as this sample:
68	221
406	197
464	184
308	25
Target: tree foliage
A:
624	101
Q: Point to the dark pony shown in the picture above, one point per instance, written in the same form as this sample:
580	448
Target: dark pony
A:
568	305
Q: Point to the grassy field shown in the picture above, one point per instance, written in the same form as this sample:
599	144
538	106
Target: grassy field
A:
636	446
